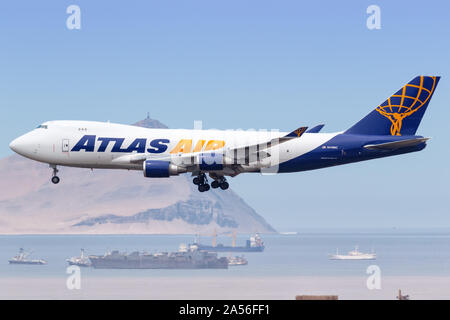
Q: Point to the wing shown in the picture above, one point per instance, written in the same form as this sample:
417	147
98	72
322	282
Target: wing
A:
237	155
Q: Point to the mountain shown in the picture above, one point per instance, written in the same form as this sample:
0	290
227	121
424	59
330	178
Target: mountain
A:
115	202
151	123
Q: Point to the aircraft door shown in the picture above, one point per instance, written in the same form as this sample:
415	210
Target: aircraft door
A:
65	145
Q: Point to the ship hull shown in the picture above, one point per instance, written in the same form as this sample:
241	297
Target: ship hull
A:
158	263
27	262
79	264
102	264
352	258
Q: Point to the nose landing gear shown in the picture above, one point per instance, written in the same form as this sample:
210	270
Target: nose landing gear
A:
55	178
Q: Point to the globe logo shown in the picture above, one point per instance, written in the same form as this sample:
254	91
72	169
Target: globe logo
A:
404	103
300	131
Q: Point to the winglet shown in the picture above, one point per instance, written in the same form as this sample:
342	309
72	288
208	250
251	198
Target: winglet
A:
316	129
296	133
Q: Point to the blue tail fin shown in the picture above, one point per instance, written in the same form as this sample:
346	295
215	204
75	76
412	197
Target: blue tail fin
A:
402	112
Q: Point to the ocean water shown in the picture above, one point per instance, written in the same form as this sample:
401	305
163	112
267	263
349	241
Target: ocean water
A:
407	253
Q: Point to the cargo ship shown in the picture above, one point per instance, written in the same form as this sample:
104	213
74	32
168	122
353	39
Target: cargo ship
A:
185	258
254	244
22	256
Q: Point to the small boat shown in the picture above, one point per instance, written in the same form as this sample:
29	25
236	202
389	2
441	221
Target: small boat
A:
21	258
353	255
81	261
237	261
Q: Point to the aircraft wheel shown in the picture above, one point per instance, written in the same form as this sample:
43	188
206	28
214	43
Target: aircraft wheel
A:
203	187
196	181
215	184
55	179
224	185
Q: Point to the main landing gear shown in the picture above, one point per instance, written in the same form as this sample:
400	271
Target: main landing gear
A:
220	183
55	178
202	182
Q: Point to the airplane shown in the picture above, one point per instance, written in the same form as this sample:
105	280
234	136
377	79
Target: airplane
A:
388	130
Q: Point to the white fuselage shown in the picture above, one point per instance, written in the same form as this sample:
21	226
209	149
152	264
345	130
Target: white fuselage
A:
116	146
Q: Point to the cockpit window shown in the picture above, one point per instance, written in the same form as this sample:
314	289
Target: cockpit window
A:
42	126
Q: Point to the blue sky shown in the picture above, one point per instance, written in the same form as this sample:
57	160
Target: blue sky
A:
244	64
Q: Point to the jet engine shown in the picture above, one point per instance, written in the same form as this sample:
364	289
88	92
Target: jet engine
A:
161	169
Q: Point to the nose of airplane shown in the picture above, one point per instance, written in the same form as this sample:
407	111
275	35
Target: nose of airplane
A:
19	145
15	145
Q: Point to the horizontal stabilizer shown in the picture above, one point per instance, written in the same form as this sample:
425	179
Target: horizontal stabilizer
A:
396	144
316	129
